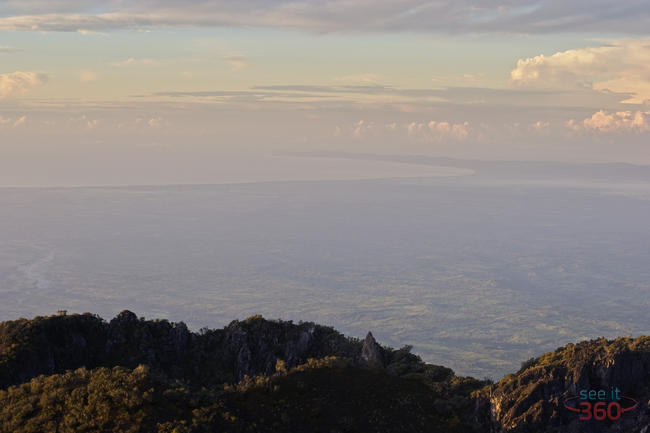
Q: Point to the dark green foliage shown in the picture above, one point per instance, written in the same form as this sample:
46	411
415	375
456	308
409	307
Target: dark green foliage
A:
55	344
46	345
527	364
341	399
101	400
78	373
254	375
328	395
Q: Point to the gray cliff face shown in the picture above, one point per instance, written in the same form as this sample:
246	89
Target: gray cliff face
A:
533	400
257	353
254	346
141	342
371	351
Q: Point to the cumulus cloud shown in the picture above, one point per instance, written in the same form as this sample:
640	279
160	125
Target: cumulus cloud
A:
363	128
139	124
83	122
514	16
613	122
620	121
540	126
620	67
438	130
573	125
19	82
432	131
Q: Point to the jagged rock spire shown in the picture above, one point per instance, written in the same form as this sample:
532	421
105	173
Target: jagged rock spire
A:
371	351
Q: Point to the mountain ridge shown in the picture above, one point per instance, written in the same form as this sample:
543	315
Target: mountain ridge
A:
58	373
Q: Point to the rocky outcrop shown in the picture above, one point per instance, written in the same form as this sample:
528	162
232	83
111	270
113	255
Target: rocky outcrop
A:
371	352
55	344
533	399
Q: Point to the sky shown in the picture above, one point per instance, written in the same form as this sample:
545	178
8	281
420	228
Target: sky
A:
90	84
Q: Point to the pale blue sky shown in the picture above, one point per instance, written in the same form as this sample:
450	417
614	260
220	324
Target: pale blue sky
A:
497	80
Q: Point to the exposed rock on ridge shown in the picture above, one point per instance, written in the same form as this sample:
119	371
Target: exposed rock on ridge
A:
532	400
55	344
371	351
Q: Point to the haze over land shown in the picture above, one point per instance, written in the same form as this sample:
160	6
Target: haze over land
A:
478	272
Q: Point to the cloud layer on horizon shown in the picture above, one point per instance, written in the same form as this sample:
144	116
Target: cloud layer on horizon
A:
618	122
463	16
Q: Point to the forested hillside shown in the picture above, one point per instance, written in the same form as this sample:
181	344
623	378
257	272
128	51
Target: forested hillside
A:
79	373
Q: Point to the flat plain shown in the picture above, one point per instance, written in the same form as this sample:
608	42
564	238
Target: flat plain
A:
478	272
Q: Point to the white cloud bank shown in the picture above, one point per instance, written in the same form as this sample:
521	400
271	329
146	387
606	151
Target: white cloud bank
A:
19	82
621	67
432	131
608	122
438	131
